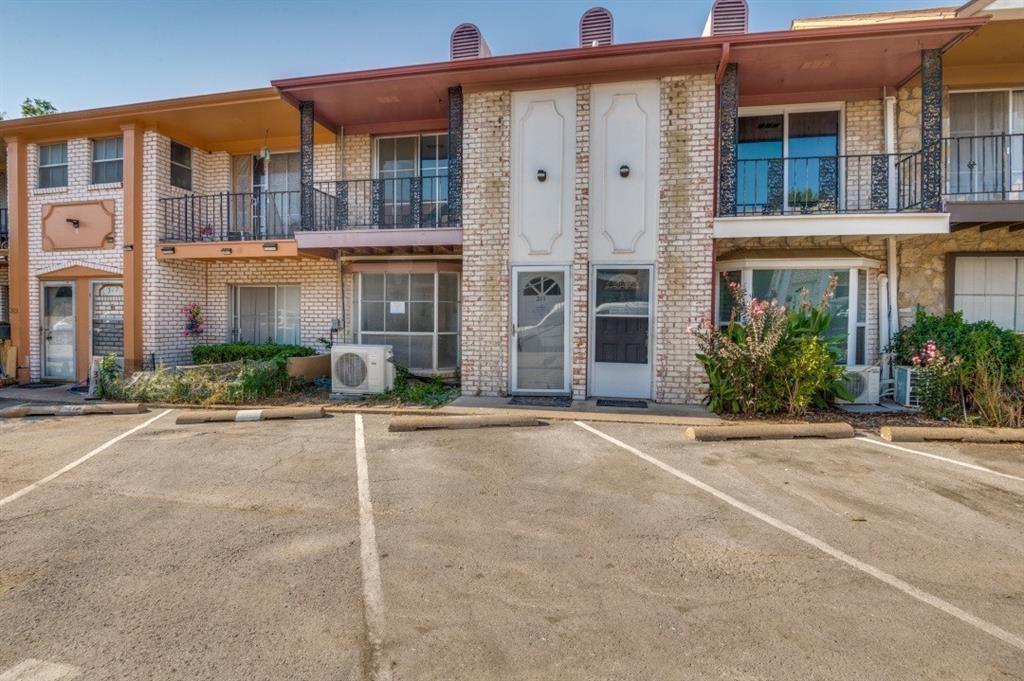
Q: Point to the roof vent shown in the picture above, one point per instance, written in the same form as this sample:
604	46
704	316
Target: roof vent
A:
468	43
727	17
596	28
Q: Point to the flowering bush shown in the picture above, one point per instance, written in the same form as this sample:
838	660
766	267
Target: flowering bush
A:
768	359
194	322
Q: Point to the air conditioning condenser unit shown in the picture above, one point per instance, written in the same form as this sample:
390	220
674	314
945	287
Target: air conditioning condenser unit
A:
361	369
864	383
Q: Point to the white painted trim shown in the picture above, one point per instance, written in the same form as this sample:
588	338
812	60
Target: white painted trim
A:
796	264
652	316
829	225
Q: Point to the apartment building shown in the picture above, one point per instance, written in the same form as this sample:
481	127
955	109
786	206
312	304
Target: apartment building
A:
547	223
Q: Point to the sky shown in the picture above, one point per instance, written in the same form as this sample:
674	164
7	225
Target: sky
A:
81	54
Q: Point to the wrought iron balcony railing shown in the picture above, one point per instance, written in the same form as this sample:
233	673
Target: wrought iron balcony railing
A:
984	167
401	203
863	183
3	228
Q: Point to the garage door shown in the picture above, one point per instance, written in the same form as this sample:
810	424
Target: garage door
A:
990	287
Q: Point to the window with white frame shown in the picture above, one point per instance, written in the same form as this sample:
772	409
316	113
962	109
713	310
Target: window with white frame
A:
265	314
990	287
53	165
415	313
107	160
398	161
181	166
793	286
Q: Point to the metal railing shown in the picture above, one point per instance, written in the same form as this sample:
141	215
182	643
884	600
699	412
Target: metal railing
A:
234	216
983	167
861	183
399	203
3	228
387	203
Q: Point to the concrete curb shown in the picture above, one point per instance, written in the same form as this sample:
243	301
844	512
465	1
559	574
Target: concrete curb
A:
770	431
402	424
73	410
974	435
223	416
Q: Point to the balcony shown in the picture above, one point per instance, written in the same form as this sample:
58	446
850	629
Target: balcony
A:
853	194
378	204
983	180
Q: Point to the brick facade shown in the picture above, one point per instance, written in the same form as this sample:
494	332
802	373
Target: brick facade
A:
485	243
684	268
580	309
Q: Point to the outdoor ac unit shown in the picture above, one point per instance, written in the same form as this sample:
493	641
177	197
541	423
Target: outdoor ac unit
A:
361	369
906	387
864	383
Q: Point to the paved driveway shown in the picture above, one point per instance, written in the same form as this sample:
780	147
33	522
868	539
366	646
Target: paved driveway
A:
615	552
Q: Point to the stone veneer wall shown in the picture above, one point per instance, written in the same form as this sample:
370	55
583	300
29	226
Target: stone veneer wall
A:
684	267
485	243
923	264
580	307
79	188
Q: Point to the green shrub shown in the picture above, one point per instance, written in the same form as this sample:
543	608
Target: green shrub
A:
430	392
769	359
219	353
966	371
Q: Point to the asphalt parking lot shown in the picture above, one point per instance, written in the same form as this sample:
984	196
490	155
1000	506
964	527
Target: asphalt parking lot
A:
595	551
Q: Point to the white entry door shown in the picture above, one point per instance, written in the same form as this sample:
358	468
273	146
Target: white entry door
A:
540	330
59	331
621	326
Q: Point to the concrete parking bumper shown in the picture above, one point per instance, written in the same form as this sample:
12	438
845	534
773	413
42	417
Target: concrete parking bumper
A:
770	431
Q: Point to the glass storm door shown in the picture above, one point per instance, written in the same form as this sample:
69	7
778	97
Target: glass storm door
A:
59	331
540	331
621	336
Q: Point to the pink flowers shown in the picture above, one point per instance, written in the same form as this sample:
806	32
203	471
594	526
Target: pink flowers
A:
194	322
929	354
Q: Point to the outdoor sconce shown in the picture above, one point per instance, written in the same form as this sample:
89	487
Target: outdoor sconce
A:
74	223
542	175
109	239
226	251
129	247
270	246
623	170
164	249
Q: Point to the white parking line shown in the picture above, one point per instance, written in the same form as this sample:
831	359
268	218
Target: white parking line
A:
106	445
373	591
885	577
941	458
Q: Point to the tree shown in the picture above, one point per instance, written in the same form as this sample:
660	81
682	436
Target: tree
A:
37	107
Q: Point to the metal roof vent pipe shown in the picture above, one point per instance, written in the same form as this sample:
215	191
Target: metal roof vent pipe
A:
727	17
468	43
597	28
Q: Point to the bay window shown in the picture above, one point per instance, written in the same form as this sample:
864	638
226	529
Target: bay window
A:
791	285
415	313
265	314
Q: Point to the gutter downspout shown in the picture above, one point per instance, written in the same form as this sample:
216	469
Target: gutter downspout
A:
723	61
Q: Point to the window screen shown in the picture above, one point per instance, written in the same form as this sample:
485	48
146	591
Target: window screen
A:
181	166
267	314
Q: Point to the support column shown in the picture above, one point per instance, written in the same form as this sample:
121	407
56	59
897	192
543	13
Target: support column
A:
17	253
728	127
581	247
931	130
133	255
306	164
455	156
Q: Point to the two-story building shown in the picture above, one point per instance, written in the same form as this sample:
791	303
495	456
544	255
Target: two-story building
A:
548	223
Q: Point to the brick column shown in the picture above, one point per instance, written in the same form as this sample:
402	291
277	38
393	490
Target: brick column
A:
931	130
306	163
17	253
728	127
455	105
580	274
131	278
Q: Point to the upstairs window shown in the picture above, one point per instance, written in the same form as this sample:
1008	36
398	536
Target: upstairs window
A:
107	160
400	160
53	165
181	166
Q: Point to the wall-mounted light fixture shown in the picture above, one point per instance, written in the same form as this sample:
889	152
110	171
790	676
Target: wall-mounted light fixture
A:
130	247
74	223
163	249
109	239
269	245
542	175
226	250
623	170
